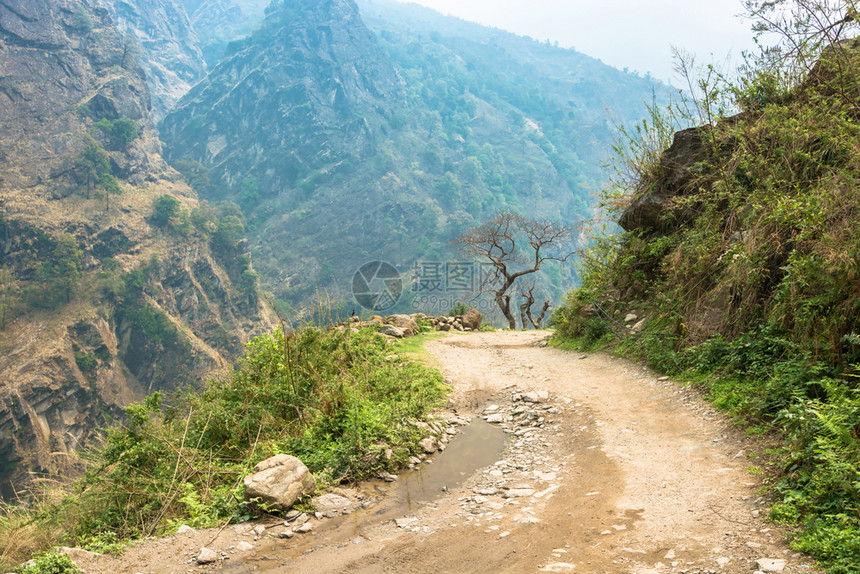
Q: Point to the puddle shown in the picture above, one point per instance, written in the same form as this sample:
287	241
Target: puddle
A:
477	445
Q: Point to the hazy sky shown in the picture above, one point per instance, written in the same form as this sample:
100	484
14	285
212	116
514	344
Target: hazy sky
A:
636	34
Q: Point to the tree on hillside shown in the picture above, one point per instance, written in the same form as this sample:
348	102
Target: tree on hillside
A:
60	275
164	208
515	247
92	164
120	132
110	186
9	296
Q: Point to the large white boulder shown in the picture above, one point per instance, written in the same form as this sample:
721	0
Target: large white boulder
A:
279	482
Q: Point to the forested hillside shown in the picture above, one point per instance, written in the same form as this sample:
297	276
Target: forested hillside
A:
385	146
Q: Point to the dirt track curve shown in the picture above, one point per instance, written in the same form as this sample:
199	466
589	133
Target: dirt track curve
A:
624	474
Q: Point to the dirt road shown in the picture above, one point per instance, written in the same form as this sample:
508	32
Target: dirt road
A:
610	470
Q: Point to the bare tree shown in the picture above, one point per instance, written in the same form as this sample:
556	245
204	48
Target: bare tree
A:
515	246
527	294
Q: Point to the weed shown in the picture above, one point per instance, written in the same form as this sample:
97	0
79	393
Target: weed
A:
49	563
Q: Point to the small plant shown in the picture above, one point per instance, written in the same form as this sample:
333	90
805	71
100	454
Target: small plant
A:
49	563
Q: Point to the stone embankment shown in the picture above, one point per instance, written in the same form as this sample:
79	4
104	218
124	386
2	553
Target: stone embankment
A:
399	326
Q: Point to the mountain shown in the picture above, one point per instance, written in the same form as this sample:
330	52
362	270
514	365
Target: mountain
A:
115	280
218	22
160	34
344	145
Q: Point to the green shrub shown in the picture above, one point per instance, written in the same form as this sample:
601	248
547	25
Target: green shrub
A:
86	362
164	208
50	563
120	132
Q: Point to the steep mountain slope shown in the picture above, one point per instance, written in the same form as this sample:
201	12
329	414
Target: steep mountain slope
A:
327	140
219	22
169	50
575	98
102	298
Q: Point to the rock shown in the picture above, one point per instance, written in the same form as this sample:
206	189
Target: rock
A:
678	168
406	323
519	493
630	317
279	481
444	327
305	528
206	556
428	445
557	567
536	396
244	546
496	418
770	564
391	331
331	503
185	529
259	530
405	522
471	319
292	515
640	324
286	534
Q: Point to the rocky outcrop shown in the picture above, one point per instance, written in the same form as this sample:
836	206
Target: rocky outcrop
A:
278	482
219	22
676	170
98	306
65	67
310	88
160	36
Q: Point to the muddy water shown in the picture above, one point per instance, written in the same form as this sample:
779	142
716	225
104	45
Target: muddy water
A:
476	446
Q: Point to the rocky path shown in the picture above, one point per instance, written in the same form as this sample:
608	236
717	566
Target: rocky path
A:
608	470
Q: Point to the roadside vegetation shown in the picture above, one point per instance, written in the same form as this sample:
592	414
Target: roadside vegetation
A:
748	274
339	401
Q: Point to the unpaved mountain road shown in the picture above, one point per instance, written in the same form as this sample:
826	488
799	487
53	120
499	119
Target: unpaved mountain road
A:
616	472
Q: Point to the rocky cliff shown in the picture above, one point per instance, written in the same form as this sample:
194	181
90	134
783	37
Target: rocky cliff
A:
313	75
160	34
219	22
103	298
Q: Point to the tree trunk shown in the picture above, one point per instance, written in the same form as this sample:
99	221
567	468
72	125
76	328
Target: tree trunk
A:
504	303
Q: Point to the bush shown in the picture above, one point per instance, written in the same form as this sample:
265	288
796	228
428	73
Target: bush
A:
50	563
164	208
120	132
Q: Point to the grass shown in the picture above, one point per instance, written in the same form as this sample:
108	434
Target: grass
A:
413	348
332	398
